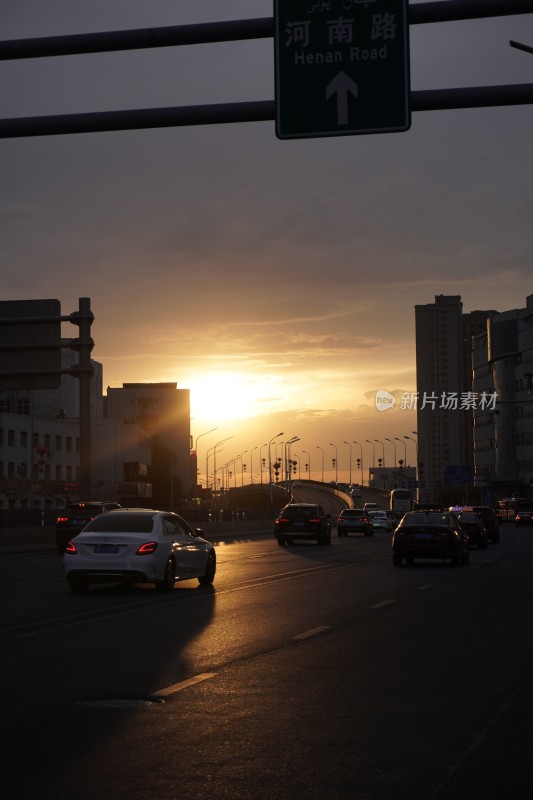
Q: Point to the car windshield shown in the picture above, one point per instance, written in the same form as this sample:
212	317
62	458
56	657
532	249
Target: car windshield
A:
351	513
431	518
471	518
300	512
121	523
83	510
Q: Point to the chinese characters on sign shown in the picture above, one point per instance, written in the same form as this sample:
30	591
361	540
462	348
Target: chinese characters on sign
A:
342	67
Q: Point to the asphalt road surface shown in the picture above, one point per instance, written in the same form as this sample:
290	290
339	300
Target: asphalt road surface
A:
305	671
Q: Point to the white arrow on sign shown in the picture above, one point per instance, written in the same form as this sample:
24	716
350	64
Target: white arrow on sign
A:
341	85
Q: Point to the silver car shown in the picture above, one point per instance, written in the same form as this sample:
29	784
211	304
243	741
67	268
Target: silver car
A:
138	546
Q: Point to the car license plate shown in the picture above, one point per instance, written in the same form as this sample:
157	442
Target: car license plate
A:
422	536
106	548
298	524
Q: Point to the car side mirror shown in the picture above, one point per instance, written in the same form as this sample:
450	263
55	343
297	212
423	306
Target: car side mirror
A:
198	532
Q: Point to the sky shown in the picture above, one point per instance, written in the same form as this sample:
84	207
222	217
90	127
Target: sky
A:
274	279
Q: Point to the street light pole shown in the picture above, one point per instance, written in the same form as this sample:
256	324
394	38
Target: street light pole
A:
261	461
350	446
321	448
404	450
196	447
362	468
252	464
215	470
270	463
308	462
394	445
336	462
373	452
288	466
383	451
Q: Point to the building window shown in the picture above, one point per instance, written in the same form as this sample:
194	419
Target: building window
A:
23	471
11	438
47	441
69	444
47	472
69	473
58	442
1	436
5	405
11	469
23	406
23	438
58	472
34	439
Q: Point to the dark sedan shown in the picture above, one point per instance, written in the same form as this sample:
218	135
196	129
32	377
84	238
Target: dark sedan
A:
299	521
524	517
430	534
75	517
474	527
354	520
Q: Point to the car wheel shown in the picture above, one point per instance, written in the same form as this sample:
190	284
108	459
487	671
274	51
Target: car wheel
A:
78	584
397	560
456	558
209	575
169	577
281	541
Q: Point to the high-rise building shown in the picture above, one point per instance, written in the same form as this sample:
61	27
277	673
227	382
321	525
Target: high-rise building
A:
161	413
503	431
445	400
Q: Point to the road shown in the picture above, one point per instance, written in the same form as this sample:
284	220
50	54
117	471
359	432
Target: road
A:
317	672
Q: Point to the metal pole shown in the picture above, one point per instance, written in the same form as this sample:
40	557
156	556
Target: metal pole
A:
84	371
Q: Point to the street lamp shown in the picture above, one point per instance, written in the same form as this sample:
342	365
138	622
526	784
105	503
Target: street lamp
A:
308	462
336	462
373	452
350	446
383	451
404	450
361	460
261	461
393	444
321	448
242	466
251	463
288	469
215	450
196	446
270	463
410	439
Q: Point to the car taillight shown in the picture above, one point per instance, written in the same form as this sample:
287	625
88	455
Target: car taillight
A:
316	519
61	519
70	548
282	519
147	548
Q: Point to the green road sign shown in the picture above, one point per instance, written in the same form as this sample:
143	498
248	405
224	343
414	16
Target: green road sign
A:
342	67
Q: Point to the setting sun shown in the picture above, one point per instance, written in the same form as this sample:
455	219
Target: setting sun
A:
222	396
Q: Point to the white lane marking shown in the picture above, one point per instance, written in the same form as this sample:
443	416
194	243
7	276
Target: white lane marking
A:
383	603
312	632
425	586
177	687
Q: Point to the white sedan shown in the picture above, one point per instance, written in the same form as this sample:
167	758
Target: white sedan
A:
381	520
138	546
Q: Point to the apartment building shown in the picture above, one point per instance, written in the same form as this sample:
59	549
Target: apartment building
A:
502	360
445	401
